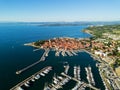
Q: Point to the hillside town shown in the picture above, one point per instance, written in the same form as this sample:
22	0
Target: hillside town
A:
65	43
105	46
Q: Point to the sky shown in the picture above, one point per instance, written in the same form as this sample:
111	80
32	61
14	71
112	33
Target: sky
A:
59	10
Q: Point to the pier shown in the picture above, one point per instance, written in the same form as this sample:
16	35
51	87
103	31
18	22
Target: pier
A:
45	54
31	78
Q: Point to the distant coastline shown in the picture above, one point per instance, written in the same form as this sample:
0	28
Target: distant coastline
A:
74	23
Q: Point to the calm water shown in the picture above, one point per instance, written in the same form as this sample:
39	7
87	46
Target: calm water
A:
14	55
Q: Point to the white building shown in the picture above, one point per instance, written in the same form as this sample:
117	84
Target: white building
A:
100	53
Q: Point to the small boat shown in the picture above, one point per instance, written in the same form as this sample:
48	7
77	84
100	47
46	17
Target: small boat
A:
19	88
55	82
46	72
60	78
32	79
36	78
42	74
49	68
26	84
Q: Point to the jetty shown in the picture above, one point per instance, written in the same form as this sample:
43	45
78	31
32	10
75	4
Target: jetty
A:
77	72
45	54
32	78
90	75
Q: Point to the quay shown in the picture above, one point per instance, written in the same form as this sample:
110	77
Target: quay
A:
85	84
45	54
32	78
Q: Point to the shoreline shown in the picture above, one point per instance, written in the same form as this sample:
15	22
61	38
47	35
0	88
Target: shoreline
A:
53	49
86	31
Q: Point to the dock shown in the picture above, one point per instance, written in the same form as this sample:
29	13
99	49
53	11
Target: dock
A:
45	54
31	78
84	83
69	53
57	83
90	75
77	72
57	53
73	52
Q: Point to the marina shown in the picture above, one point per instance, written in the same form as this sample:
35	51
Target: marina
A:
66	52
58	82
24	55
32	78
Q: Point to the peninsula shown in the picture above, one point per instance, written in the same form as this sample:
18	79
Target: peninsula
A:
63	45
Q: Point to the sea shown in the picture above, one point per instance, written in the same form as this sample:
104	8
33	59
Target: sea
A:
15	56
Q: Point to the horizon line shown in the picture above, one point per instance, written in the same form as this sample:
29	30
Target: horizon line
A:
59	21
